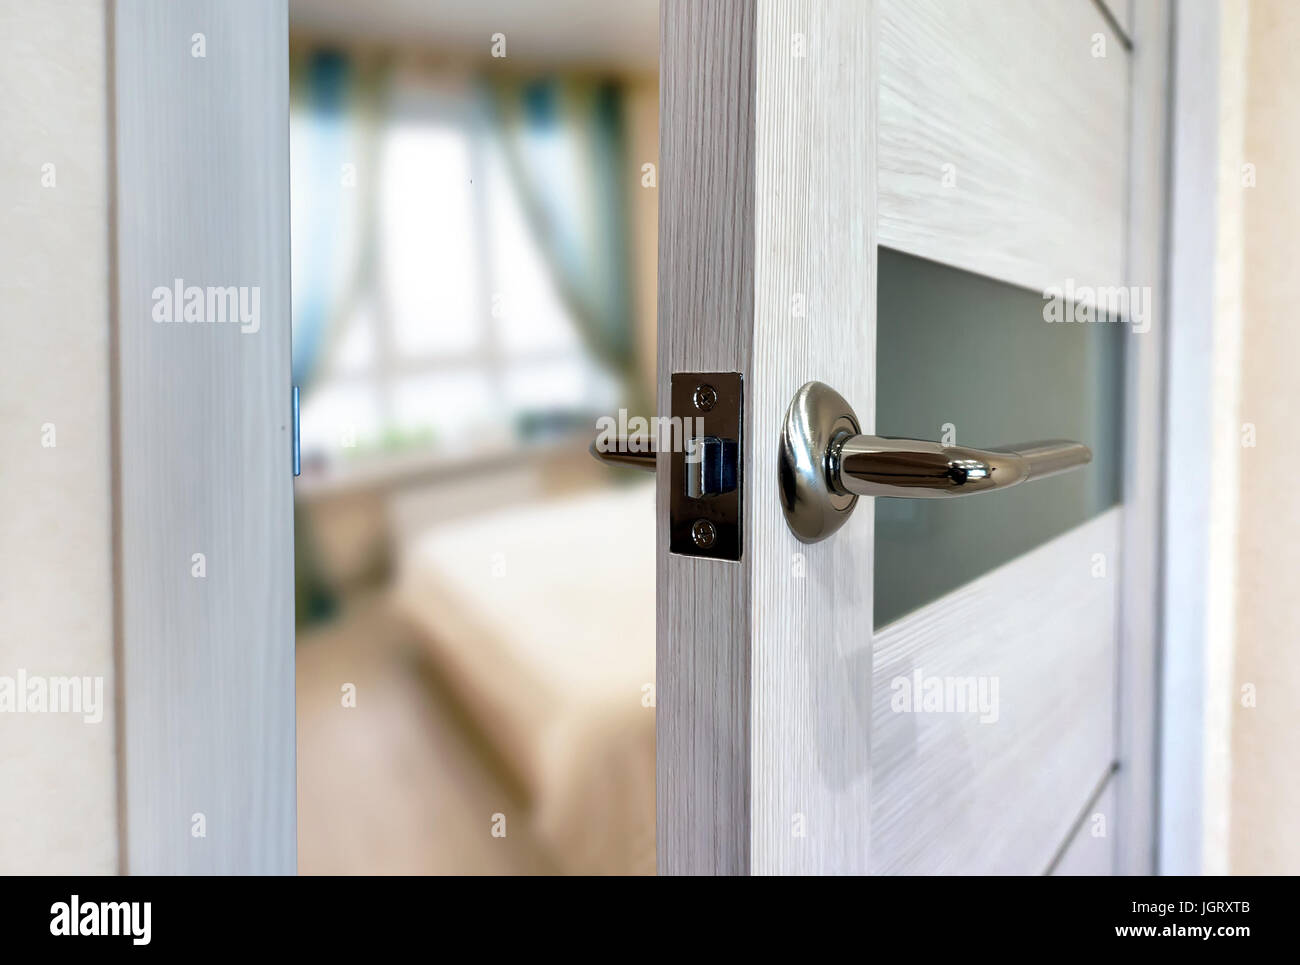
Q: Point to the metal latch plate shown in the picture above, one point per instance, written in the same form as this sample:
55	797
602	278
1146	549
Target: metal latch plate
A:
706	478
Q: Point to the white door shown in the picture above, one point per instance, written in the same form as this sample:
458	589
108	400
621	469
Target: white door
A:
915	204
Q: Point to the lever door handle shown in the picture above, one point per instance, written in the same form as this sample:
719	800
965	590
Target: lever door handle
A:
826	463
632	451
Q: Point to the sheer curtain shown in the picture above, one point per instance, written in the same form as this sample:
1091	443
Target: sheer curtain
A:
565	143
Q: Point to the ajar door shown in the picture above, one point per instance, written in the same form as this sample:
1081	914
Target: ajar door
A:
909	310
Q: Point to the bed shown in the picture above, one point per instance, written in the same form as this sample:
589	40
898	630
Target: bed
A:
542	618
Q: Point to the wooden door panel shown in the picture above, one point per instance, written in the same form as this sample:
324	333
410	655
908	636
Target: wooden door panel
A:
955	793
1003	151
1003	139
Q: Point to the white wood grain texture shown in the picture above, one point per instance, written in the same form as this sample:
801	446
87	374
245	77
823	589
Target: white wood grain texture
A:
1091	850
766	194
1134	784
1033	124
203	431
954	795
811	606
706	299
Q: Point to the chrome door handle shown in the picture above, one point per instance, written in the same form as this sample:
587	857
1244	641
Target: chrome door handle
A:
633	452
825	464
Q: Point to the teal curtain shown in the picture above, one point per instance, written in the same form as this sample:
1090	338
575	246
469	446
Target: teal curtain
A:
328	94
565	144
320	85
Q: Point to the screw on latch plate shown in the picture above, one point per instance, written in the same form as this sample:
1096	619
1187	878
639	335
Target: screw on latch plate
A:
704	533
705	397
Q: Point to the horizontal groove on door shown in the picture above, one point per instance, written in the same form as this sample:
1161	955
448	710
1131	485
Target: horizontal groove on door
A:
1003	140
1089	847
1118	15
955	794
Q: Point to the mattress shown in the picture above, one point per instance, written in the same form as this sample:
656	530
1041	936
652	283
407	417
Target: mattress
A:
542	617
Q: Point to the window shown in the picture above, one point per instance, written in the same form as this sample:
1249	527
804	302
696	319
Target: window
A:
443	327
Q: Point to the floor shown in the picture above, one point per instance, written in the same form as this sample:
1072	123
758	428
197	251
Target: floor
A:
398	784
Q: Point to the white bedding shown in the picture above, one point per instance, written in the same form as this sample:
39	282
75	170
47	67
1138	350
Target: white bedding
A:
543	616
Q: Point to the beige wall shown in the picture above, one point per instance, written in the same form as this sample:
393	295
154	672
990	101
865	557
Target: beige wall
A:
57	772
1265	787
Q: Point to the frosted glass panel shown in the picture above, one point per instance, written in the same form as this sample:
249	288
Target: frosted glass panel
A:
973	357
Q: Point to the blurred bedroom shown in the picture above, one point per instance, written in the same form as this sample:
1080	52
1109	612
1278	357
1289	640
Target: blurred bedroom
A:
474	235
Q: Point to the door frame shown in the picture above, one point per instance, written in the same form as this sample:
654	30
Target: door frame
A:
728	137
201	447
1198	688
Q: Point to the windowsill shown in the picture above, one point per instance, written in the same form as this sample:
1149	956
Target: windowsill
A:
387	471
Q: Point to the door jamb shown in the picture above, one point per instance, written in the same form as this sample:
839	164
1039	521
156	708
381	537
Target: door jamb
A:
201	439
1202	432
